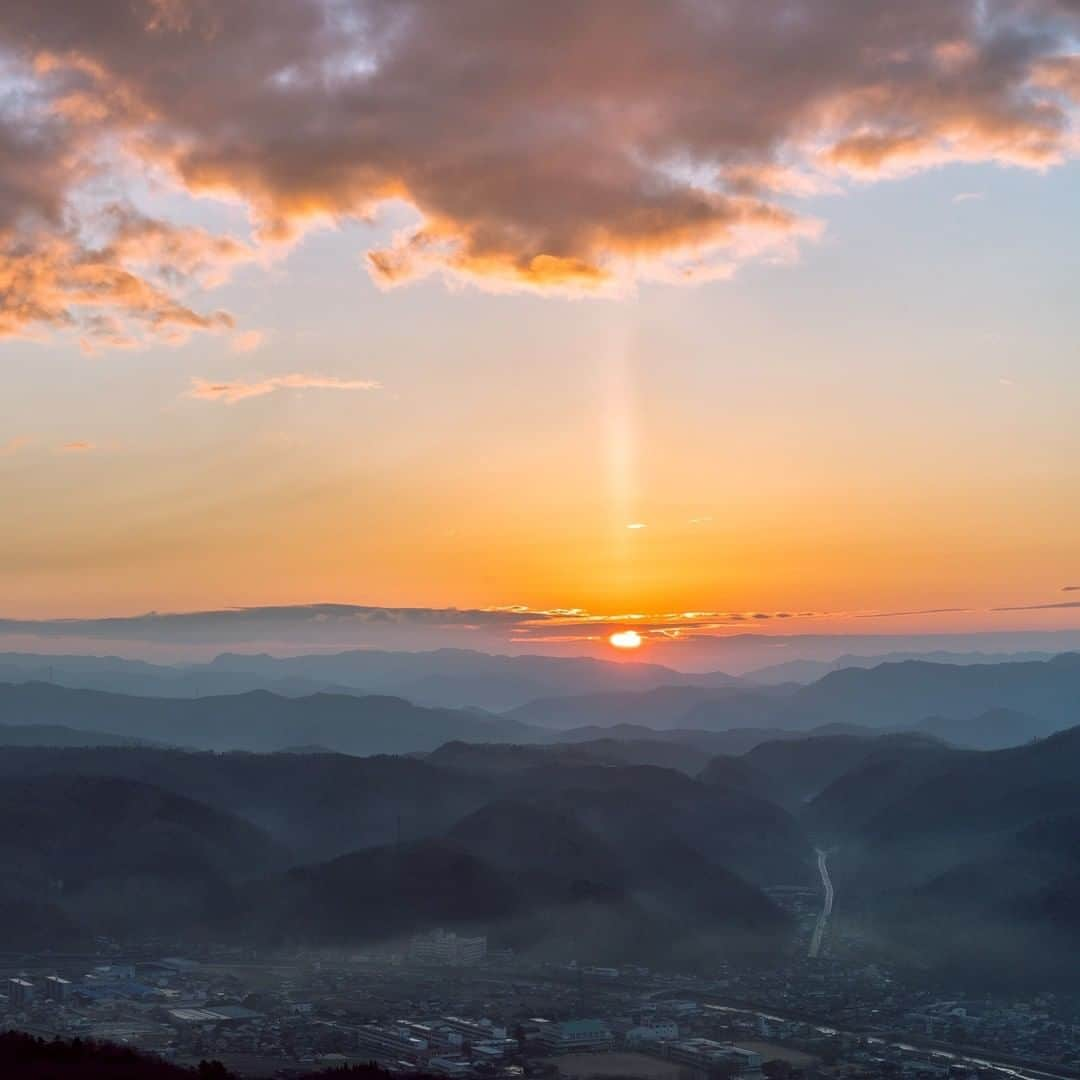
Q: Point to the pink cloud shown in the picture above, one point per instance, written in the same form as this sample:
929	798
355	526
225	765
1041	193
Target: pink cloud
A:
231	392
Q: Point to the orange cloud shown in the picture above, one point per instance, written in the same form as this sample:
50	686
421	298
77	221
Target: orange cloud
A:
232	392
558	147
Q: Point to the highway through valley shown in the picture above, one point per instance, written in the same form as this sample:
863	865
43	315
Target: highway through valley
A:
826	906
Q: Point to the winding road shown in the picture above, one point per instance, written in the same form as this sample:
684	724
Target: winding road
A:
826	907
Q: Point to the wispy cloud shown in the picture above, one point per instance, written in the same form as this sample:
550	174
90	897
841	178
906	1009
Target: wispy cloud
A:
231	392
77	446
248	341
968	196
923	611
637	525
13	446
1040	607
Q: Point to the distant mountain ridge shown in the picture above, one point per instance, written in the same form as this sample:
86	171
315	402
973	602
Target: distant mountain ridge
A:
450	678
258	720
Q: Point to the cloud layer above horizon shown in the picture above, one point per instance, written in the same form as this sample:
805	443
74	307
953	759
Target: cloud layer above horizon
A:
561	147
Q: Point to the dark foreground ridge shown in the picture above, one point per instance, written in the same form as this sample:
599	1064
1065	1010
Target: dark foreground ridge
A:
25	1057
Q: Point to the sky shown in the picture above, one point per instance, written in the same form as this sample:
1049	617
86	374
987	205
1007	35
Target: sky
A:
691	317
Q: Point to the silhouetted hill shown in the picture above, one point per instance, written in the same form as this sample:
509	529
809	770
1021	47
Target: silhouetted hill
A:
506	758
258	720
57	735
888	696
734	773
535	877
733	741
379	894
966	861
659	708
872	784
995	729
450	678
748	835
118	856
808	671
457	677
318	805
26	1057
795	770
904	694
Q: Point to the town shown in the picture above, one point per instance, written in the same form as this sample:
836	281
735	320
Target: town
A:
445	1004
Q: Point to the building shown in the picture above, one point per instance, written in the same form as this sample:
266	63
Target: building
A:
57	989
20	993
443	947
390	1045
706	1056
576	1036
656	1032
472	1030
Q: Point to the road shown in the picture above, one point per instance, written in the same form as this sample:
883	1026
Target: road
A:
938	1052
826	907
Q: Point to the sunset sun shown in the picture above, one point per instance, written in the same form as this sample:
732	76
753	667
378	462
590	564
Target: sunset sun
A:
626	639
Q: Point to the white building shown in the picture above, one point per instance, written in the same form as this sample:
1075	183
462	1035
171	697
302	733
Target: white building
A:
656	1032
575	1036
442	947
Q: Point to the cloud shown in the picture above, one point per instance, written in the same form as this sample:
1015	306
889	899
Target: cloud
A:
232	392
111	293
1070	588
337	623
78	446
248	341
1040	607
13	446
559	147
637	525
968	196
904	614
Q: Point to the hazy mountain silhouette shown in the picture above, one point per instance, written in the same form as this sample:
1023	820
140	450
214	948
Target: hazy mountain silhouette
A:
318	806
658	708
496	758
58	735
446	677
258	720
904	694
457	677
808	671
890	696
532	877
965	859
793	771
120	857
995	729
